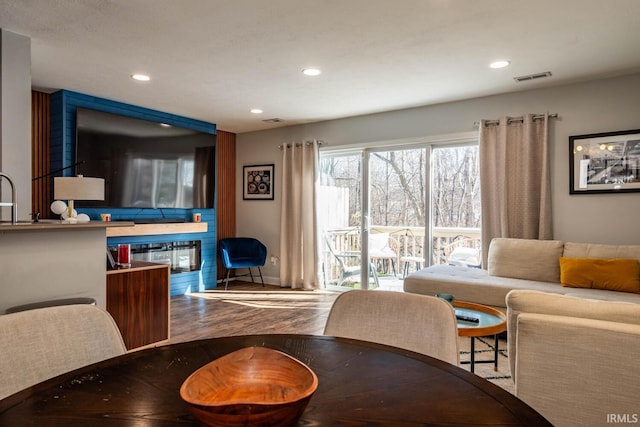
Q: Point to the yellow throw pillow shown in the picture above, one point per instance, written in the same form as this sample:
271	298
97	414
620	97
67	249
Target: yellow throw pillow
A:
611	274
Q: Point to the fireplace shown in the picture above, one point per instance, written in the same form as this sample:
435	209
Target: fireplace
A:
182	256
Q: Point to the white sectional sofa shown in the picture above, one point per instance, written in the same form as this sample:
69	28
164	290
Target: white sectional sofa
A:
520	264
575	360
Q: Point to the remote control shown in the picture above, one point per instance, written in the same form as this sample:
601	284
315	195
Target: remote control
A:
467	318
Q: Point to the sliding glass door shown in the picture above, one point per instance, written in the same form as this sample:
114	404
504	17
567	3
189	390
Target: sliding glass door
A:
398	209
340	219
397	212
455	205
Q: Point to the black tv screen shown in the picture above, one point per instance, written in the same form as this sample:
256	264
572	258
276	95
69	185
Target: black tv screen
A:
145	164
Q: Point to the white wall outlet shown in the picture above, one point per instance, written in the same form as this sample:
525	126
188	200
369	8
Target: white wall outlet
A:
274	260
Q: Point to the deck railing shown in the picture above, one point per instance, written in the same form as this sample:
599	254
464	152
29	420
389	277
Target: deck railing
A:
407	242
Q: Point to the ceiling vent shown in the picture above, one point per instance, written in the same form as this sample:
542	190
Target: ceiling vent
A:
533	76
274	120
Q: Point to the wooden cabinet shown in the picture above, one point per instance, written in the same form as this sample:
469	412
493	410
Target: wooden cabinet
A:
138	300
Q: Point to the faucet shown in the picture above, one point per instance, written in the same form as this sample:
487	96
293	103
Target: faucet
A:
14	202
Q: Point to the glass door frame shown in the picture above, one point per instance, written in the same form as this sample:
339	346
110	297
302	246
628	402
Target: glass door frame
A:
365	151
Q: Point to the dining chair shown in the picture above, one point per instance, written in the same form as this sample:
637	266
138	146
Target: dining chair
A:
242	252
419	323
39	344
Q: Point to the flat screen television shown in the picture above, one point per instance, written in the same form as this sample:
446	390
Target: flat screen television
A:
145	164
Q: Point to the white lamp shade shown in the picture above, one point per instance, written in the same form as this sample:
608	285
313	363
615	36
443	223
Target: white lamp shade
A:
78	188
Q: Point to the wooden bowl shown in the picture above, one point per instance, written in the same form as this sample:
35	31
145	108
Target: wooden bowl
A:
253	386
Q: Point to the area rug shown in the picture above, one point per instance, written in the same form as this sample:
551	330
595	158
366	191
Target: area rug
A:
484	350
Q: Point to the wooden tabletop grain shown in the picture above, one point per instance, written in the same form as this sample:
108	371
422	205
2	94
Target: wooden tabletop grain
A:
359	383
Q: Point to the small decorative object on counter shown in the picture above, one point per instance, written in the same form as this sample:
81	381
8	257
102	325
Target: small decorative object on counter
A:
124	255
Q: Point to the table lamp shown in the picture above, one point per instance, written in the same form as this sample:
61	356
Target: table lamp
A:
77	188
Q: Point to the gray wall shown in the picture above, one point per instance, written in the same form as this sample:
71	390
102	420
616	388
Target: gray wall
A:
15	123
590	107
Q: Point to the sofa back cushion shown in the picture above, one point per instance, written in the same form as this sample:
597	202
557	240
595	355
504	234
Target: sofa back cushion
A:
593	250
527	259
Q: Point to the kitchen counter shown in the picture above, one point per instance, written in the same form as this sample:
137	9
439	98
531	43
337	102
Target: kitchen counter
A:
54	224
51	260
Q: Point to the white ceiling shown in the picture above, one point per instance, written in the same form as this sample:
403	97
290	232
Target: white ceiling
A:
214	60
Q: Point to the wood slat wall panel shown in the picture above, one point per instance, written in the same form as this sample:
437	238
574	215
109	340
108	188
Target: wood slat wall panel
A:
41	156
226	185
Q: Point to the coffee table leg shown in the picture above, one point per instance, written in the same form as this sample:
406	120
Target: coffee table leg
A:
473	354
495	355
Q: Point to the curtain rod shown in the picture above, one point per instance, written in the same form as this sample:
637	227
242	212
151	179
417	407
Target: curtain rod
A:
298	144
517	119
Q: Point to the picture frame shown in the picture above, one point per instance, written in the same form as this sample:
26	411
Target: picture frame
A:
258	182
605	163
111	262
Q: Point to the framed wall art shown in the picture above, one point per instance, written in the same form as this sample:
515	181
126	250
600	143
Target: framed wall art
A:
603	163
257	182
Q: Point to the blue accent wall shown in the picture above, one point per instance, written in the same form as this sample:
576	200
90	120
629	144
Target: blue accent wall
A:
64	105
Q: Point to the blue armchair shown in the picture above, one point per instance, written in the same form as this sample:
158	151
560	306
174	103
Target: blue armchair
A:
242	252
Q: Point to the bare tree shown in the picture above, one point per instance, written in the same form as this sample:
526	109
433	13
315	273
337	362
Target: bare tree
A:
397	181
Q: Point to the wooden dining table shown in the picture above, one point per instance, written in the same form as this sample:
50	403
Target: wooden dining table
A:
359	383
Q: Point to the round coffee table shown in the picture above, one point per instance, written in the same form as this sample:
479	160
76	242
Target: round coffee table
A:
490	322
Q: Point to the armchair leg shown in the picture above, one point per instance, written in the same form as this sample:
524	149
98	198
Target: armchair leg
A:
226	282
251	274
262	280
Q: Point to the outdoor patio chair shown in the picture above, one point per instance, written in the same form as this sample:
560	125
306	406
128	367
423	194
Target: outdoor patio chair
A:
462	251
380	248
346	268
407	260
42	343
419	323
242	252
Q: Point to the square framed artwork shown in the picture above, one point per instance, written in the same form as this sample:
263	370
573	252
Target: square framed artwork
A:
604	163
257	182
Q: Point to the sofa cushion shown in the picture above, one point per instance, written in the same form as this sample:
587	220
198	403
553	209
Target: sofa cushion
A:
527	259
611	274
471	284
592	250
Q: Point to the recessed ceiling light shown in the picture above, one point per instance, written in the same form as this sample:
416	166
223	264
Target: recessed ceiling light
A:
165	125
141	77
499	64
256	111
311	72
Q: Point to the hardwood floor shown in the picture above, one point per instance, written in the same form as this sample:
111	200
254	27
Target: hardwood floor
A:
249	308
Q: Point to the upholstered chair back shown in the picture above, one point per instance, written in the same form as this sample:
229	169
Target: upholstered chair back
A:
419	323
39	344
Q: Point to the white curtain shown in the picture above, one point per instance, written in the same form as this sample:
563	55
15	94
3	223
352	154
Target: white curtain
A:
298	231
514	179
